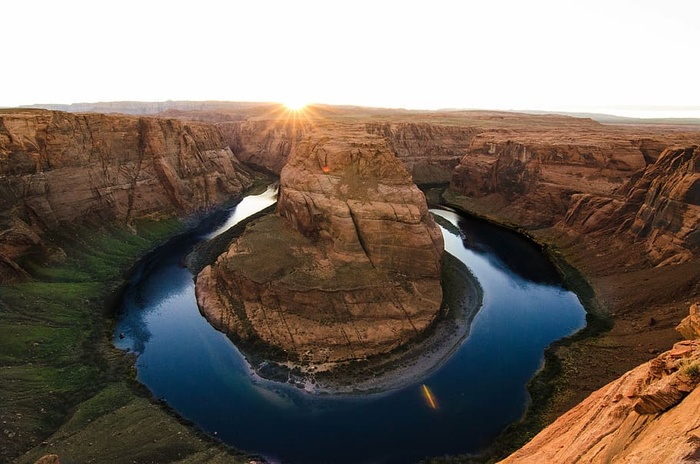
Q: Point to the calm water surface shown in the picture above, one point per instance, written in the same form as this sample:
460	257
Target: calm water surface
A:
478	391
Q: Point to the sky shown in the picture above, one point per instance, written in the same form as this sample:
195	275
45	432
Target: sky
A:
624	56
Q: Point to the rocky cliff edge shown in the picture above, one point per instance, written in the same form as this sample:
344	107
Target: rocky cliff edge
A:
650	414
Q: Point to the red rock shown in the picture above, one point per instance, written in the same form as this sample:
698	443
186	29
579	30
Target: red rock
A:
59	168
48	459
349	269
607	426
690	326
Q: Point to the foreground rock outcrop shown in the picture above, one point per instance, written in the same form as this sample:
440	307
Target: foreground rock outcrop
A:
58	168
348	269
650	414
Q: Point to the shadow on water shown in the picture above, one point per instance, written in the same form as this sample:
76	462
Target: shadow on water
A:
507	250
473	396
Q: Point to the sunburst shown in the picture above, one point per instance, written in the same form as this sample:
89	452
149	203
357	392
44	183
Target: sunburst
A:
295	104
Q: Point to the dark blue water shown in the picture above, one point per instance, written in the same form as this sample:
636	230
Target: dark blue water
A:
478	391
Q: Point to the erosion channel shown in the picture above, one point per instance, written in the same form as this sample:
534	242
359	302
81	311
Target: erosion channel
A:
455	399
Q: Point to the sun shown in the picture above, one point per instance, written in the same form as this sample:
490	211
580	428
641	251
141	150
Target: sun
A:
295	104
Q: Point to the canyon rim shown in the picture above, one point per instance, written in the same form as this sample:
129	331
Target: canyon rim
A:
617	201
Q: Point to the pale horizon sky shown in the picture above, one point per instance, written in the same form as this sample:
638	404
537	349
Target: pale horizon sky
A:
556	55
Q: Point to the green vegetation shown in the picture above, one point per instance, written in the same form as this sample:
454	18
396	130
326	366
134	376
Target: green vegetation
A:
691	369
65	388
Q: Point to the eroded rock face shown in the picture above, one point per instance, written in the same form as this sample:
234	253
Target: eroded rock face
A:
58	167
351	193
659	206
429	151
534	175
649	414
350	268
265	144
690	326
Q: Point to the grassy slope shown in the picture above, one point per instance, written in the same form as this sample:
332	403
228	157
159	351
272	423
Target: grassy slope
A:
63	388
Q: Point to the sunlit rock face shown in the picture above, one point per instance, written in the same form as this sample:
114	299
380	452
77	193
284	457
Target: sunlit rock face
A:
350	266
649	414
659	206
60	168
355	197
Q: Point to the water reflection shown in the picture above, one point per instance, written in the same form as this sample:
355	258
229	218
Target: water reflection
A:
505	249
247	207
470	398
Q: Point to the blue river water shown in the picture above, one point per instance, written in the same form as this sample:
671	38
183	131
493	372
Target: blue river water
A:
476	393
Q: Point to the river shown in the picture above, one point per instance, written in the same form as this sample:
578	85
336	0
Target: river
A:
459	408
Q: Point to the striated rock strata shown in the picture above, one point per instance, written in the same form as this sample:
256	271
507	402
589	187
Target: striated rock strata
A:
650	414
690	326
264	144
532	174
659	205
348	269
61	168
429	151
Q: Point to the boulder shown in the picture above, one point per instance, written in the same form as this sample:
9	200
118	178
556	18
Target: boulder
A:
48	459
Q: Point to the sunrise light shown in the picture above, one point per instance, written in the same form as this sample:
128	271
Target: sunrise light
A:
295	104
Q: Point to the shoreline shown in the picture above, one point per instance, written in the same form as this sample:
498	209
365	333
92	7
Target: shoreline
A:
616	316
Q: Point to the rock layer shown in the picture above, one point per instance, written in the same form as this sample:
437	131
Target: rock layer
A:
429	151
647	415
264	144
59	168
349	269
690	326
659	206
533	175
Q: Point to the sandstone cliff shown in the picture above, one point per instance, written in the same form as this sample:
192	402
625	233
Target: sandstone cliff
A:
60	168
429	151
659	206
532	174
650	414
265	144
349	269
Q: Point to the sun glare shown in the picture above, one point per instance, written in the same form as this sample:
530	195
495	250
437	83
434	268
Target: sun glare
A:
295	104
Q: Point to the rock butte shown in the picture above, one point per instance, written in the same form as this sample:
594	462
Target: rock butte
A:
620	203
350	267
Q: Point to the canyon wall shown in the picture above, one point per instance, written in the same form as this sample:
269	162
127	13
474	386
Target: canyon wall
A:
429	151
265	144
60	168
650	414
659	206
350	266
530	175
